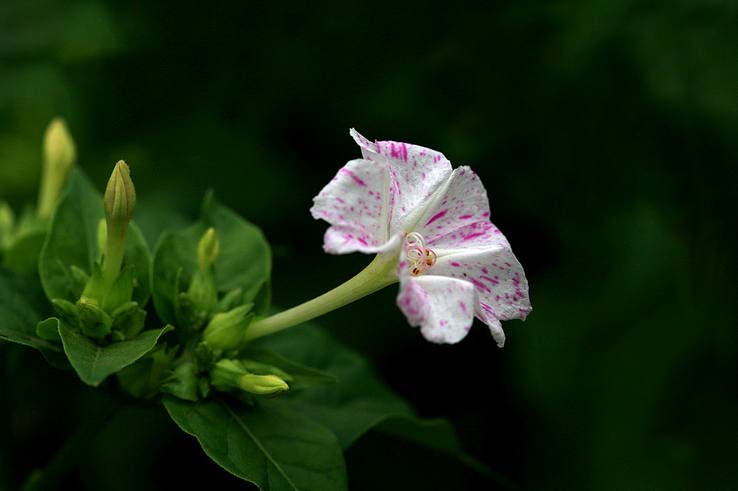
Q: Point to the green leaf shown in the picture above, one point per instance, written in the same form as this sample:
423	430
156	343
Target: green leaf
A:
268	444
244	261
360	401
21	304
22	255
48	329
351	407
94	363
72	243
301	376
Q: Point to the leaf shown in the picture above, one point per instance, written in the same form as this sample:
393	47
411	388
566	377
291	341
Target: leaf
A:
302	376
268	444
94	363
22	255
72	243
245	258
244	261
359	402
175	254
351	407
21	304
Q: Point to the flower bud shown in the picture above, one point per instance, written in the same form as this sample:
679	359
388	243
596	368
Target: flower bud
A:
208	249
228	375
202	293
263	384
120	196
120	200
94	322
260	368
225	330
59	157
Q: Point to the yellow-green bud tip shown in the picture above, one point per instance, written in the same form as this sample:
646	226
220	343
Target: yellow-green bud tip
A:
120	195
7	217
58	145
262	384
208	249
59	156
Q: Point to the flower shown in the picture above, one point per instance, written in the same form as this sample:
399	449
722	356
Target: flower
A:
453	264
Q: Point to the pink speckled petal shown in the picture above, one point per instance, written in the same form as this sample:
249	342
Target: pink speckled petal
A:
415	173
473	235
461	201
355	204
497	276
495	327
442	307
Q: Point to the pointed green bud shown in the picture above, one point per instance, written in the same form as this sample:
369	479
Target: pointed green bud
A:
263	384
120	197
259	368
59	157
7	223
208	250
202	294
228	375
120	201
94	322
226	330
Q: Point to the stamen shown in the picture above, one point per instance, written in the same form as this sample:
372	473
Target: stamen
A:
418	256
430	257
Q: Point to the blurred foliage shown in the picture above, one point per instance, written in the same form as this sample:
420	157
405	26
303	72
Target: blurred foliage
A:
604	130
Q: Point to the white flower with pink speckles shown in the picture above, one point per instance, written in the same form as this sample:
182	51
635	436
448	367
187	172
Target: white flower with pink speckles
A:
406	201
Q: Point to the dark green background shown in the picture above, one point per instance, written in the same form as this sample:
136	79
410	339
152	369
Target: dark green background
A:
604	131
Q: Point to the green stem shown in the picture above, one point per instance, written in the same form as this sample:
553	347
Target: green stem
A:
115	248
378	274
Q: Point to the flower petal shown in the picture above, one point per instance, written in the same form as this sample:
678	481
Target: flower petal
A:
355	203
415	172
497	276
474	235
461	201
442	307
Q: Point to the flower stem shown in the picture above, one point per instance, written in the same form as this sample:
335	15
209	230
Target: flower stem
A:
378	274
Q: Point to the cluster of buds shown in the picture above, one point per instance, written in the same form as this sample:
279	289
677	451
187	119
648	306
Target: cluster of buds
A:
105	306
218	325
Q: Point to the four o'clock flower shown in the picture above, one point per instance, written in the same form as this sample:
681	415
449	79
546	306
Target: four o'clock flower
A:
429	226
